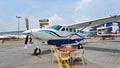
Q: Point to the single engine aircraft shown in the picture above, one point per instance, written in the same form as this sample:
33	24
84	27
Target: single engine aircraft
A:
60	35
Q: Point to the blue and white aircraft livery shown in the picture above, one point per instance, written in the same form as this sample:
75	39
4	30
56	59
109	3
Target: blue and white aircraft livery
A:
60	35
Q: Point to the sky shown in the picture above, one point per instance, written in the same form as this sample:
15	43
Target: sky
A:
65	12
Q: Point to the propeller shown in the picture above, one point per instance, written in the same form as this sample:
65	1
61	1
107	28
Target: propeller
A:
27	23
26	39
28	35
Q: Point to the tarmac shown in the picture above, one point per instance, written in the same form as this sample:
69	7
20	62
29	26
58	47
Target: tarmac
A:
98	54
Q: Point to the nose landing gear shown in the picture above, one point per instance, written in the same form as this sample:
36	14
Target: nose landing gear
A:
37	51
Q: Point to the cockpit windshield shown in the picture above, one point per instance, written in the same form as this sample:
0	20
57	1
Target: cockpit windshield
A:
56	27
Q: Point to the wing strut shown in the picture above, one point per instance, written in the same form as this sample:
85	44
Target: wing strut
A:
86	26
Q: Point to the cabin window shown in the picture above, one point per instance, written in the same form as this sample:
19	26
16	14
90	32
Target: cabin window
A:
70	29
66	29
74	30
63	29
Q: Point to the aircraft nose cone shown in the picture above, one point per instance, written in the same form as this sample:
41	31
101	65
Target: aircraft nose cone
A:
27	32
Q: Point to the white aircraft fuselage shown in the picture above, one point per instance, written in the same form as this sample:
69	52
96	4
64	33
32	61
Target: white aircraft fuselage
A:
56	35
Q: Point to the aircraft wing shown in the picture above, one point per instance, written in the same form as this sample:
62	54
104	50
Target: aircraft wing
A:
96	22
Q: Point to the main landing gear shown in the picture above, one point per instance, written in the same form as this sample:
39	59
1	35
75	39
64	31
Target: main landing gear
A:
37	51
80	46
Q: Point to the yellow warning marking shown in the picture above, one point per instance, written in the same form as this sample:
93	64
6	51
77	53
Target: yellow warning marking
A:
58	58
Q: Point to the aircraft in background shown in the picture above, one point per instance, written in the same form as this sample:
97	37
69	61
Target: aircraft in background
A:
108	32
10	36
61	35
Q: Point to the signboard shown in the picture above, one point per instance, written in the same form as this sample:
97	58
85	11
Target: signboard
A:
44	22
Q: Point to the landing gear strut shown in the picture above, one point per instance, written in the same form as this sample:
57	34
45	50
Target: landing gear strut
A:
37	51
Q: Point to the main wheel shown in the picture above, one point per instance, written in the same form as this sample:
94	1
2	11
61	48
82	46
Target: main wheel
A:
37	51
80	46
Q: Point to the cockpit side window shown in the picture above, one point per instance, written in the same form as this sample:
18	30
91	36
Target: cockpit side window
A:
63	29
56	27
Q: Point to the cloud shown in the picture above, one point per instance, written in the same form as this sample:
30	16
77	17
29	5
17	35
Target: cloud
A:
33	22
56	19
81	11
83	19
53	20
81	4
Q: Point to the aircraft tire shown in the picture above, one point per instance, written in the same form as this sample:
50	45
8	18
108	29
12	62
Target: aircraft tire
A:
37	51
80	46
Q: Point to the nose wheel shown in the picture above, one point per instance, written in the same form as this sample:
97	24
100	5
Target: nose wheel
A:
37	51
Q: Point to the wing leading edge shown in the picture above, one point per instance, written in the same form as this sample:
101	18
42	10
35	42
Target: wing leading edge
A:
96	22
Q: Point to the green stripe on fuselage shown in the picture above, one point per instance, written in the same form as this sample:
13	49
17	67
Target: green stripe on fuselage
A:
52	34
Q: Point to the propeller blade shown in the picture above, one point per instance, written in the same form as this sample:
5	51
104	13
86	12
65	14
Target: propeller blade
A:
27	23
26	40
30	40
